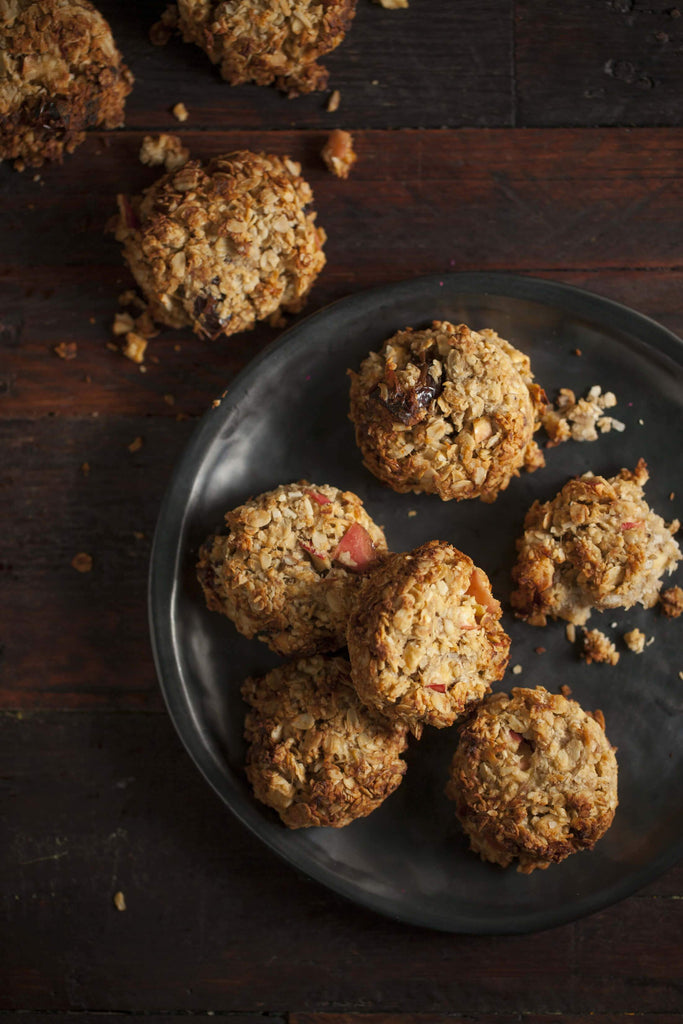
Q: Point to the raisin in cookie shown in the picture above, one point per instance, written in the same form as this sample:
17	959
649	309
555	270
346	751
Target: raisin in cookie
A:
316	755
596	544
534	778
266	41
60	73
217	248
424	638
447	411
288	569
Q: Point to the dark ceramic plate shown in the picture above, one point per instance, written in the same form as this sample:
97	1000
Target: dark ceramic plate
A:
284	418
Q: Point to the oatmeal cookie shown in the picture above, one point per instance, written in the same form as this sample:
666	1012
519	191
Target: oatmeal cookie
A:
534	778
448	411
287	570
596	544
266	41
219	247
60	73
316	755
424	637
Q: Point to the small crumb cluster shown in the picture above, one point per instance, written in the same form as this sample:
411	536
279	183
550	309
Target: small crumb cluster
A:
338	153
264	41
580	420
447	411
534	779
60	74
635	641
220	246
164	150
599	648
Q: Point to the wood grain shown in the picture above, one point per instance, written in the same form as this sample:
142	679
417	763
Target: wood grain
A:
214	920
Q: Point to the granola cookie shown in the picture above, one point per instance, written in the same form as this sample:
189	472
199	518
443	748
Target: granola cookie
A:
424	638
596	544
217	248
290	565
534	778
316	755
266	41
447	411
60	73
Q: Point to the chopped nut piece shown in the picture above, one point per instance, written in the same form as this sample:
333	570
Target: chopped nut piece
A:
671	601
82	562
334	101
338	153
392	5
119	901
566	691
599	648
123	324
66	349
135	445
635	641
135	346
179	111
570	632
164	149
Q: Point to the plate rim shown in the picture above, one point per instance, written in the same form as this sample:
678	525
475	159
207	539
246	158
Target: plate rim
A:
163	580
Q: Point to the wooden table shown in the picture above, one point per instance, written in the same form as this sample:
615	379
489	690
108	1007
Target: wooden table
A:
513	135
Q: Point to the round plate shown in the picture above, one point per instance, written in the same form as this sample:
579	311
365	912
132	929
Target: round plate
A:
285	418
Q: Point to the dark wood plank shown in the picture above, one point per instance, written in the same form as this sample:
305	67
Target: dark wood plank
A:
213	919
430	65
588	63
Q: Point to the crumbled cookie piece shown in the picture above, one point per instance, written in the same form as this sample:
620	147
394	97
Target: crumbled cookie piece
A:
334	101
316	755
596	544
288	569
447	411
598	647
424	637
578	420
267	42
635	641
119	901
82	562
66	350
338	153
534	779
60	73
180	112
392	5
219	247
164	149
135	347
671	602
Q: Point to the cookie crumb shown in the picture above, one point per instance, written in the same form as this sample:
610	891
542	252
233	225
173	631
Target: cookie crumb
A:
82	562
539	650
180	113
334	101
338	153
566	690
598	648
412	513
163	149
138	534
66	350
135	445
169	399
578	352
650	642
671	602
516	670
579	419
570	632
635	641
85	468
119	900
392	5
134	348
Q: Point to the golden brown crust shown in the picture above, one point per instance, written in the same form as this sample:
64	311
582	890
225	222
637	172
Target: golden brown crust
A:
219	247
596	544
316	755
447	411
285	571
60	73
424	638
268	41
534	779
